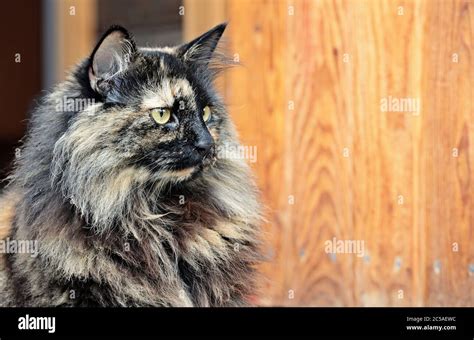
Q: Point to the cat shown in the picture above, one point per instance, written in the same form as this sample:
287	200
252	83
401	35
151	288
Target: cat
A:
125	195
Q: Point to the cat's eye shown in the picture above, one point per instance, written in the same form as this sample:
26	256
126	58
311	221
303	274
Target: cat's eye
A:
161	115
206	113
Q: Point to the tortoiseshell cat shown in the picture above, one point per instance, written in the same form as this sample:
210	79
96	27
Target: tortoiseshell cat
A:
126	196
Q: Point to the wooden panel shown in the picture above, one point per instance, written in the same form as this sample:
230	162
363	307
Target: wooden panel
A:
320	125
199	17
335	162
202	15
257	101
76	32
380	41
448	90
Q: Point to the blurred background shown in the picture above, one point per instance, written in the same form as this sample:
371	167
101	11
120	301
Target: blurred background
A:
332	163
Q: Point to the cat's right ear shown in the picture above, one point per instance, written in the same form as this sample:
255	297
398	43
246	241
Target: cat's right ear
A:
113	53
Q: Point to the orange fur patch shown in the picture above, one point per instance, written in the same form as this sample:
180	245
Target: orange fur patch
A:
7	212
214	134
180	173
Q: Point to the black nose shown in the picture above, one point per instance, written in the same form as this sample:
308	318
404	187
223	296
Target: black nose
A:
204	143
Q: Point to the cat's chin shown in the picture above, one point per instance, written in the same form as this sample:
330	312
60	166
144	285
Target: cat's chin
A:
181	175
188	172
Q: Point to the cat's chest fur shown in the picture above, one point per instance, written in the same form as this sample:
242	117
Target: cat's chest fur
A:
194	247
194	256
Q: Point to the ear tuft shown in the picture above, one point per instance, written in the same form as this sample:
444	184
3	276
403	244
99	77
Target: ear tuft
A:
201	49
112	54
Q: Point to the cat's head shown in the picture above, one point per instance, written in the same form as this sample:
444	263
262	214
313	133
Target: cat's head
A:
156	118
167	94
156	107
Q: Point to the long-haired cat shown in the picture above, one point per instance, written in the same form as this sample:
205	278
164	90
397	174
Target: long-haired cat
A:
120	184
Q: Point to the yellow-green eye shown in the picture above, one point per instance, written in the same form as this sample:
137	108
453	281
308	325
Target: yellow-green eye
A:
206	113
161	115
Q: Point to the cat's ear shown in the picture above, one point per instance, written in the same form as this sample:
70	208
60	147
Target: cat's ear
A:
113	54
201	49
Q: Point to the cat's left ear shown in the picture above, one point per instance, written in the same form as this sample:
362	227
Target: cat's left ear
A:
200	50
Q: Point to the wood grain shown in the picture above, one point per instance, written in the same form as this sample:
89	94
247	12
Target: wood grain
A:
309	96
256	97
449	202
76	32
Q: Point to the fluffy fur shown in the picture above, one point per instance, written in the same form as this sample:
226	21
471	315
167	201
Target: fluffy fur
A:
127	212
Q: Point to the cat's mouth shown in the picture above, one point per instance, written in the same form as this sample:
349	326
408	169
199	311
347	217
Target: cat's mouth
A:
184	169
196	162
188	171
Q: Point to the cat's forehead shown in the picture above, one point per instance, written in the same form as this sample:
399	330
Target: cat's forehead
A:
163	59
171	79
165	93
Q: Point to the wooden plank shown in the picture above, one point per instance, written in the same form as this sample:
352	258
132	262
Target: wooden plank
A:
201	15
257	103
76	32
320	176
448	89
383	189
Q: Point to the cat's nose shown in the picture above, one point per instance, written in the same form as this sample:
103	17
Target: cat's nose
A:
204	143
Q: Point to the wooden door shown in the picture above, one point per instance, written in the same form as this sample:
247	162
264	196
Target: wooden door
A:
363	118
